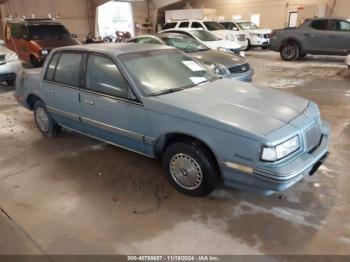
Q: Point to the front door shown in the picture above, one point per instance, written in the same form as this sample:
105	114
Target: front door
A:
60	88
339	35
316	37
109	109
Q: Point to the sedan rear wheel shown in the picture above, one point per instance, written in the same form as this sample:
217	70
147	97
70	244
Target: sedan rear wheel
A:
290	51
45	123
190	168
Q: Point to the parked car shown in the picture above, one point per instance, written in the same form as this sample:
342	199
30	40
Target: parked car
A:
209	40
33	39
348	61
222	63
213	27
256	37
9	64
319	36
159	102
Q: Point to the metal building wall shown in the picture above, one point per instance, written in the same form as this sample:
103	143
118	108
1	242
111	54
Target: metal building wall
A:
74	14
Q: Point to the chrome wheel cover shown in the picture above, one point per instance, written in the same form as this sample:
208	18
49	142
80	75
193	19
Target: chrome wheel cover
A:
42	119
186	172
289	51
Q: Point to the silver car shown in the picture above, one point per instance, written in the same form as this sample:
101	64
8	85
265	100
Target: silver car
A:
222	63
159	102
9	64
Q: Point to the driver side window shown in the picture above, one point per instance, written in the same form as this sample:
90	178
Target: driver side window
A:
103	76
197	25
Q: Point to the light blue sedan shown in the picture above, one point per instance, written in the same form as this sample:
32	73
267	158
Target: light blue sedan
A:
156	101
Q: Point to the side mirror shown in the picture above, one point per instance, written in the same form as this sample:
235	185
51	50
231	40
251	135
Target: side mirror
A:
74	35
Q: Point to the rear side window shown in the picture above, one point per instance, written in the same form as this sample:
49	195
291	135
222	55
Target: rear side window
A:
169	26
229	26
184	25
50	72
320	24
68	69
196	25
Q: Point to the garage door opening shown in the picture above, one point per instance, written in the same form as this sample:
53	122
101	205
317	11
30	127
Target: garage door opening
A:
114	16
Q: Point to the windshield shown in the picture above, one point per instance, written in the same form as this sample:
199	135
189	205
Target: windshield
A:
204	35
184	43
165	71
213	26
48	31
248	26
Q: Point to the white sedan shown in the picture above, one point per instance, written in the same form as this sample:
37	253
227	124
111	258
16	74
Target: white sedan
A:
9	65
210	40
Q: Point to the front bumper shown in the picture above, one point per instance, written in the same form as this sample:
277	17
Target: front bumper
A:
260	42
280	177
9	70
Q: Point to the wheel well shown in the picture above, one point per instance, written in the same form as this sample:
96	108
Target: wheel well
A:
291	40
172	138
31	100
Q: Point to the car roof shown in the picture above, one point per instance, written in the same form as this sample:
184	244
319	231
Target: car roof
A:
170	34
36	22
328	18
115	49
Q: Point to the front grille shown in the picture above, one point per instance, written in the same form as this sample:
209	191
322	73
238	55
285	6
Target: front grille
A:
239	69
267	36
241	37
313	136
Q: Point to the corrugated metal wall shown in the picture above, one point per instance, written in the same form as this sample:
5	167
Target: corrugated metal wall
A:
74	14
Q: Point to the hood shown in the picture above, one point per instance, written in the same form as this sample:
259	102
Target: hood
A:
54	43
223	34
235	106
259	31
218	57
222	43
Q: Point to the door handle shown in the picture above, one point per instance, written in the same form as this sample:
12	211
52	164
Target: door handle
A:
309	35
50	91
89	102
332	36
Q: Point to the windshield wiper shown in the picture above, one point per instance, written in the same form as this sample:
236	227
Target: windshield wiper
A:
168	91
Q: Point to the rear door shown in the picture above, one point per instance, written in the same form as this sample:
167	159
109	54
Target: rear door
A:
110	110
315	36
60	87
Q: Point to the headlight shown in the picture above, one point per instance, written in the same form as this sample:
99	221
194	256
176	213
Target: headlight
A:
217	69
12	57
272	154
44	52
223	49
256	35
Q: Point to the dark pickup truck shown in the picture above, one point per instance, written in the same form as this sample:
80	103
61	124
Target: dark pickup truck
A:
319	36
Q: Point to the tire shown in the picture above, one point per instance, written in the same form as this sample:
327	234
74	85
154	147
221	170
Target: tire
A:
302	55
290	51
190	168
45	123
11	82
249	46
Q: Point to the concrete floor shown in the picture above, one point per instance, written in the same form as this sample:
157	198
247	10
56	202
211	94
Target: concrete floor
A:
75	195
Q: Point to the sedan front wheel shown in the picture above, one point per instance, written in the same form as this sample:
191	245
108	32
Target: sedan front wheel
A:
190	168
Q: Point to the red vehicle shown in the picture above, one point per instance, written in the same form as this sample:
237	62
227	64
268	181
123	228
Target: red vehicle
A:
33	39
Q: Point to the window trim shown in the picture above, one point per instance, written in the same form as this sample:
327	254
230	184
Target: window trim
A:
54	75
137	101
202	25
